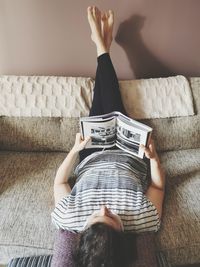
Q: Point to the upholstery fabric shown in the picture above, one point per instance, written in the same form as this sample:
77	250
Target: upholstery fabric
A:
26	201
145	98
45	96
162	260
51	96
63	249
58	134
180	227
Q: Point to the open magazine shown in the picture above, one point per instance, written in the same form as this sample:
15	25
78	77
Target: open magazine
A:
115	128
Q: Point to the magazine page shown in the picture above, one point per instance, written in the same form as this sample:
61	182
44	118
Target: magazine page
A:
134	123
129	137
103	133
101	117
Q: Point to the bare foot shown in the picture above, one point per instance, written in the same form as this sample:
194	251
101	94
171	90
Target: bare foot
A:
107	22
94	19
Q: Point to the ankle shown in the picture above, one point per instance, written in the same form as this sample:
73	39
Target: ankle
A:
101	49
101	52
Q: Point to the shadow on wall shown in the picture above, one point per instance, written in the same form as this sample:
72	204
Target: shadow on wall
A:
143	63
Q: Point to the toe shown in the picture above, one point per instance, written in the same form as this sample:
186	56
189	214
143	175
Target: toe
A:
111	18
103	17
106	13
111	14
94	11
89	10
89	13
98	13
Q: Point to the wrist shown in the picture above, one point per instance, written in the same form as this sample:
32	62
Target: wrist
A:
74	151
155	159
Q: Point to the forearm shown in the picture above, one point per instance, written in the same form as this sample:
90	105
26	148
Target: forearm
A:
157	174
63	172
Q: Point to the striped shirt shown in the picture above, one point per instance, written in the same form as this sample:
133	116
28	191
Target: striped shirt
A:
113	178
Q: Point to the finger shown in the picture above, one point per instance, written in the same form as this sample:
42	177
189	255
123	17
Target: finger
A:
83	143
142	147
78	138
146	151
152	142
148	154
151	147
86	139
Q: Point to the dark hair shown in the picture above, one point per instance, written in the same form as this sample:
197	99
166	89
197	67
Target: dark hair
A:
102	246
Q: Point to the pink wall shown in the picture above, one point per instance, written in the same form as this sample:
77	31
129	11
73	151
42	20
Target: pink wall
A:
47	37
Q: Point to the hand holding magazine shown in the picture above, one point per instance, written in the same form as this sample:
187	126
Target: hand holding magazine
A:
115	128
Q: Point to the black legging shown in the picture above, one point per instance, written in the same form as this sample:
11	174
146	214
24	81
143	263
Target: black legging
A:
107	97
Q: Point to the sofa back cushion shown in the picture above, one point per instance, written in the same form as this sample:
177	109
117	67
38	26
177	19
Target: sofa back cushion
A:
58	96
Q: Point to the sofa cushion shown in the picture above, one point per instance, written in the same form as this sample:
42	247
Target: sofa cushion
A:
145	98
58	134
45	96
26	202
179	235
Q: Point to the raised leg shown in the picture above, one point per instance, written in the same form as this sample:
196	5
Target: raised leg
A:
107	96
109	86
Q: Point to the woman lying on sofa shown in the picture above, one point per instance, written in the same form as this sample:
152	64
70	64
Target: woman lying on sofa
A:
112	195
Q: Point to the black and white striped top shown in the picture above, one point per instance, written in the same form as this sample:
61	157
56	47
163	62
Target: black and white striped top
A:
113	178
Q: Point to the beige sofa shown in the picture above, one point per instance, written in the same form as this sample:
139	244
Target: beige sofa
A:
32	148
